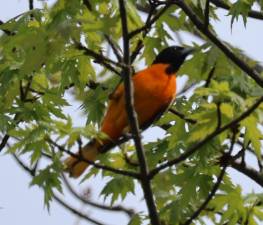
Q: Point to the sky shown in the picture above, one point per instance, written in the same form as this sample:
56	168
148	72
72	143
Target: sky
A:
21	204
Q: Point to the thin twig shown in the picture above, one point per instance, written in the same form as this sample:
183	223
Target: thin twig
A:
133	122
118	208
4	142
149	22
145	29
32	172
182	116
114	48
209	137
210	75
75	211
106	62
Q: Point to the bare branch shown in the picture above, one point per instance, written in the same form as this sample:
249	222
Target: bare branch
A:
133	122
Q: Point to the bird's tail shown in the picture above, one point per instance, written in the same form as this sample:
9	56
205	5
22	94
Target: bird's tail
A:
75	166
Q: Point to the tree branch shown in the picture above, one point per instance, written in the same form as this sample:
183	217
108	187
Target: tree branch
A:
206	23
31	4
133	122
209	137
223	47
4	142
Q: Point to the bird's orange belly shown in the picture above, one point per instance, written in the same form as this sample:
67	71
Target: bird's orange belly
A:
154	99
152	94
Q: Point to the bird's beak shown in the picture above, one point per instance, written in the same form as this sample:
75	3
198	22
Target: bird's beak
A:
188	51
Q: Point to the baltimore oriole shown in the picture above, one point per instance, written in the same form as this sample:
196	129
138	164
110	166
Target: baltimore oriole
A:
154	91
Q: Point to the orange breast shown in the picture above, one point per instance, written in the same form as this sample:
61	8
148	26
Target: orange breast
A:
153	91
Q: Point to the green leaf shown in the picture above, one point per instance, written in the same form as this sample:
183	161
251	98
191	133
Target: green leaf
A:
48	179
94	104
227	110
253	134
206	122
240	7
135	220
118	187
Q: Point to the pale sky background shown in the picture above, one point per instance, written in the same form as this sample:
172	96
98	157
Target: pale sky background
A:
23	205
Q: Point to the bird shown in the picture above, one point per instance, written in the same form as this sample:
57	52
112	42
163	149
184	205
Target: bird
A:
154	91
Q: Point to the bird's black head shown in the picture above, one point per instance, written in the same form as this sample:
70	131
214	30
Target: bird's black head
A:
174	56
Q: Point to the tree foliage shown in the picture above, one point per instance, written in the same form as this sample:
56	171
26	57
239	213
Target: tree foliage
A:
74	48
